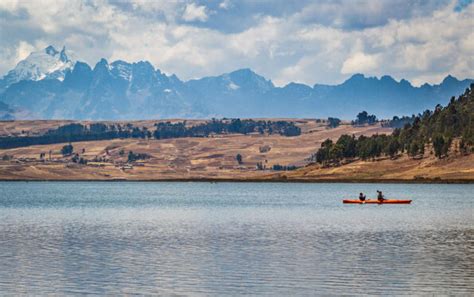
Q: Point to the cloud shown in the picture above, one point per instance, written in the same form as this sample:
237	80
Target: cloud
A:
24	49
225	4
419	41
356	15
194	12
360	63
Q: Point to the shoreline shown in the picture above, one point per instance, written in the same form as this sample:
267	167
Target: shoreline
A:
259	180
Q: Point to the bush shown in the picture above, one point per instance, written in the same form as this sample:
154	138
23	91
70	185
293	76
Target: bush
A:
67	150
333	122
7	157
278	167
132	157
238	157
364	118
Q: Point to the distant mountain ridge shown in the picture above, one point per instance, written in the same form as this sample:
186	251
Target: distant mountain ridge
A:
51	85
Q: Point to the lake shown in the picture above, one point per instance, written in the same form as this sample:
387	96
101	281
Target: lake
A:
234	238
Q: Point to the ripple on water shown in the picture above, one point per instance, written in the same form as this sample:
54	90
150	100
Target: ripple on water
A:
268	239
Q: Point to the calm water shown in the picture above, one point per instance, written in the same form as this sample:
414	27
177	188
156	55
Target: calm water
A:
234	238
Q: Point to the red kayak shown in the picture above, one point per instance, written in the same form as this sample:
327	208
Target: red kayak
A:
385	201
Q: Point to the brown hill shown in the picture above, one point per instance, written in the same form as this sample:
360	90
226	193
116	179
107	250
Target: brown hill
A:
455	168
213	158
183	158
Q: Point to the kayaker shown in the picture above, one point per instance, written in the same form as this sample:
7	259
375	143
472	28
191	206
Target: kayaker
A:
379	196
361	197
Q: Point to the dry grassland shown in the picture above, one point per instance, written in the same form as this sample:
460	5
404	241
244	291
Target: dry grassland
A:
214	158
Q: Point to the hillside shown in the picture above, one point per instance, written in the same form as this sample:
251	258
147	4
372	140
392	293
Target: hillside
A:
455	168
212	157
438	145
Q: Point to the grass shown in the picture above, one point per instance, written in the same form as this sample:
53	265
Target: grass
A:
214	158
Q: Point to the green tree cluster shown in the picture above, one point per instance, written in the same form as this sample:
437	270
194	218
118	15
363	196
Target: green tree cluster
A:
132	157
399	122
364	118
176	130
99	131
333	122
437	128
77	132
278	167
67	150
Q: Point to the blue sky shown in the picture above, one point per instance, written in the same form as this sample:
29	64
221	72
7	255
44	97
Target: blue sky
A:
301	41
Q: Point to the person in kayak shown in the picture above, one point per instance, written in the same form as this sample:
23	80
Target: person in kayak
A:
361	197
380	197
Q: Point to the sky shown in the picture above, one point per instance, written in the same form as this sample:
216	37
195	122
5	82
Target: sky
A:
310	42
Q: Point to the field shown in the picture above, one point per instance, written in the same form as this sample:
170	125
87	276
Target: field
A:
215	157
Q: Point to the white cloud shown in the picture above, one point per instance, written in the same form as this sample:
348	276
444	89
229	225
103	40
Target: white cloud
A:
169	10
9	5
194	12
225	4
23	50
360	63
418	47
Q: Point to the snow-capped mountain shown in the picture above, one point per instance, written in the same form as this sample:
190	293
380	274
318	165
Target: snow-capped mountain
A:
119	90
48	63
51	85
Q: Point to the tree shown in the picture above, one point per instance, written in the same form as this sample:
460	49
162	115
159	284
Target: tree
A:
364	118
392	148
238	157
291	130
446	146
98	131
438	145
422	148
463	147
132	157
333	122
337	152
348	145
413	149
323	154
235	126
439	127
67	150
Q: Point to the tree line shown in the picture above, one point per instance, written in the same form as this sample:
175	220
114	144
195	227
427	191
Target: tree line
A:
224	126
364	118
99	131
437	128
399	122
76	132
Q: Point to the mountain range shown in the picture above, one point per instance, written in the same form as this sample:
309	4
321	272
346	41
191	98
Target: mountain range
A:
52	84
